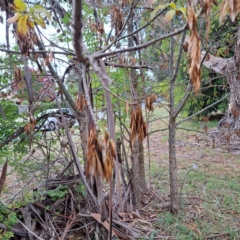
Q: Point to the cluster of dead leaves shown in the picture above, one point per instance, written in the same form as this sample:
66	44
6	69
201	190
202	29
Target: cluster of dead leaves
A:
132	60
138	127
150	100
194	49
26	18
18	76
229	6
81	102
122	59
100	155
96	27
28	128
27	42
117	19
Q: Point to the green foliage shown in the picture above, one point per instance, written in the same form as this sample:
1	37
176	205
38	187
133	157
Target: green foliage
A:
9	108
7	235
7	217
211	92
80	188
57	193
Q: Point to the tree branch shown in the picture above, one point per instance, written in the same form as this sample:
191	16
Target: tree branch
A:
127	66
77	30
140	46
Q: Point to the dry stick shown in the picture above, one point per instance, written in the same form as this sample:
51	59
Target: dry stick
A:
112	64
74	154
29	230
122	140
86	90
148	146
101	71
111	129
37	51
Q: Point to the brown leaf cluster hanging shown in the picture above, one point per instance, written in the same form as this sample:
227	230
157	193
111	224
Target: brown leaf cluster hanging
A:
27	42
96	27
208	9
81	102
18	76
231	6
150	100
28	128
194	50
100	156
138	127
117	19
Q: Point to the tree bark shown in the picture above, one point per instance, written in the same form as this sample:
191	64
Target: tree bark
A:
136	175
174	195
230	68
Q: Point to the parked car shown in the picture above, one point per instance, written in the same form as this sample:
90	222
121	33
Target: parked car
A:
53	119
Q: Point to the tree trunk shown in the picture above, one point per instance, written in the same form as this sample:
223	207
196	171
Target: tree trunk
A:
136	175
230	68
174	195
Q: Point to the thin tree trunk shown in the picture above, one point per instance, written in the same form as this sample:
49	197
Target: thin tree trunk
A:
135	174
172	131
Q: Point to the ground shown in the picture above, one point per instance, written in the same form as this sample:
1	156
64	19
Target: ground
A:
209	183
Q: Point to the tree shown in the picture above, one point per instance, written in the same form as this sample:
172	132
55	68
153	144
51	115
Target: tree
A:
94	50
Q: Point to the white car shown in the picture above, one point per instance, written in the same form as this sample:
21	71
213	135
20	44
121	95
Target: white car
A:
54	119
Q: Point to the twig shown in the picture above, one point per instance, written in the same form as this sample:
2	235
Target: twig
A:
29	230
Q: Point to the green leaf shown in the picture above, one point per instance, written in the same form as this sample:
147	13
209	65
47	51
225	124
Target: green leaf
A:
183	11
22	25
39	21
169	15
40	9
172	5
19	5
154	12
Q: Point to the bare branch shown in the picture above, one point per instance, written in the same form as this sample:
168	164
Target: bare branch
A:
140	46
39	51
127	66
77	30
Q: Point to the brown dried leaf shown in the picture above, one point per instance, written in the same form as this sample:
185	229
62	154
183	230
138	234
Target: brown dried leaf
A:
231	6
100	156
150	100
192	18
208	9
81	102
18	76
137	124
195	50
28	128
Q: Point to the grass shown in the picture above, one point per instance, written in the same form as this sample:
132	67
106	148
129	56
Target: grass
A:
215	182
